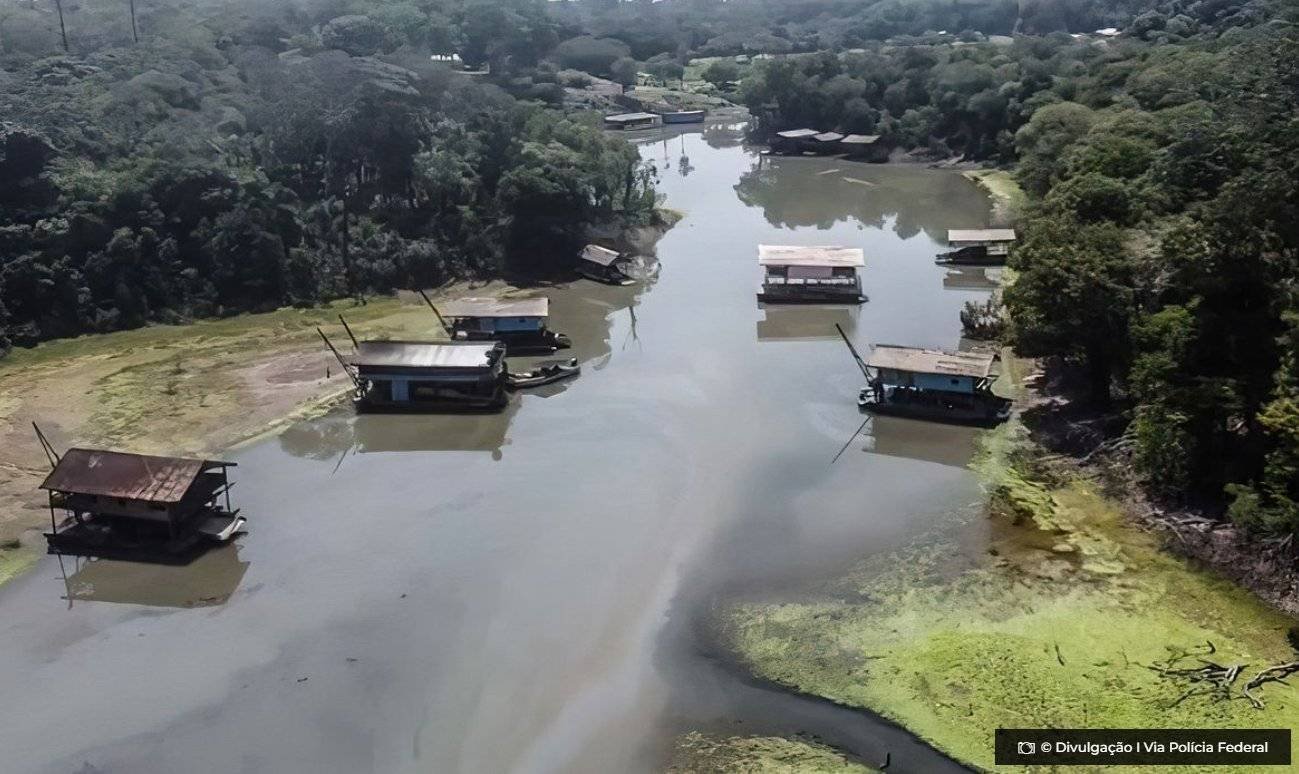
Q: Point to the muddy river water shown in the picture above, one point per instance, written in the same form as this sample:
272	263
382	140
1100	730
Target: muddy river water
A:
525	592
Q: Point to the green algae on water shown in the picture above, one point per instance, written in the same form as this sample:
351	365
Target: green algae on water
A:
1059	624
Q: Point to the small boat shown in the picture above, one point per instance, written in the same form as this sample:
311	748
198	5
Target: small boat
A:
544	373
683	116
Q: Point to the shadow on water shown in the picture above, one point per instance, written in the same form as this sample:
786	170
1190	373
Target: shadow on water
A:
208	581
820	192
805	323
968	278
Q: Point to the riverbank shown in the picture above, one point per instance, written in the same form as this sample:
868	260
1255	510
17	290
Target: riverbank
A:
194	389
698	753
1008	199
1068	616
1057	605
201	388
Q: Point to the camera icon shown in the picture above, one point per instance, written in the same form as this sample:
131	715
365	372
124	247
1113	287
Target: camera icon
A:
1026	748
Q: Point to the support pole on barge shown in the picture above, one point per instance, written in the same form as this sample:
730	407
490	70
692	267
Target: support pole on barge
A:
350	335
341	361
446	328
860	363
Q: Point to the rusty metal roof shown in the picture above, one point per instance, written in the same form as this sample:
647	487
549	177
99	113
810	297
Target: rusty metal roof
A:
126	476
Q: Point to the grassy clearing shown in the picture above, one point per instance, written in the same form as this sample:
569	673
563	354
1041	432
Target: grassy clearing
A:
698	753
1008	199
1057	624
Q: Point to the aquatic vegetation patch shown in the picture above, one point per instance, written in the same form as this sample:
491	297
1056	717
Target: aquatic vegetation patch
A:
1072	618
697	753
15	559
1008	198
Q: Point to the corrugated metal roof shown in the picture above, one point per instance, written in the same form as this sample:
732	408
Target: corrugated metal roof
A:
958	235
422	354
828	137
496	307
931	361
126	476
795	255
601	255
860	139
794	134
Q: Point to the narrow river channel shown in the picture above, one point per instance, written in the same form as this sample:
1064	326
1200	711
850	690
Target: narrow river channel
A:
526	592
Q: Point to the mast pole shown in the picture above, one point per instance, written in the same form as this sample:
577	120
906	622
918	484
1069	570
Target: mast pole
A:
446	328
350	335
860	363
341	361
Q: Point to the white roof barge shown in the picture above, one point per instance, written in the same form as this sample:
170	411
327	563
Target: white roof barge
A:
817	275
421	355
978	245
933	384
497	307
519	322
429	376
963	237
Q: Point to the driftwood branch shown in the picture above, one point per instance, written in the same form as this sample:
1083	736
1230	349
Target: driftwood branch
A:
1273	674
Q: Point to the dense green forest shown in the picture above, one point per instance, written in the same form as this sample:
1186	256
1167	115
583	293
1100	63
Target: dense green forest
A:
247	156
165	159
1159	264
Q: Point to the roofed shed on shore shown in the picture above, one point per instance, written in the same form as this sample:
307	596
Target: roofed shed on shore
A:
603	265
794	140
631	120
870	147
600	256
